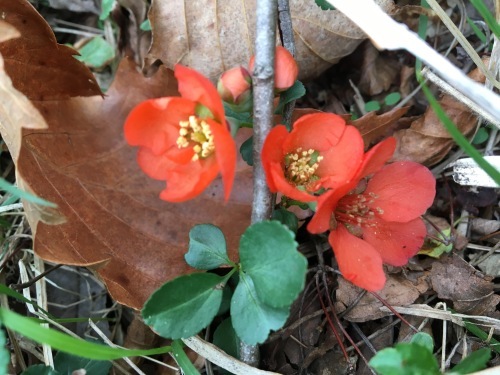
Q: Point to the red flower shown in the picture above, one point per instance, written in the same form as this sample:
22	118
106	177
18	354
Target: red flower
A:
377	221
184	140
235	86
320	152
285	69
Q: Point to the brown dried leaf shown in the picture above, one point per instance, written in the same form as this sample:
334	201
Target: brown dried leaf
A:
373	127
213	36
427	141
109	215
398	291
456	280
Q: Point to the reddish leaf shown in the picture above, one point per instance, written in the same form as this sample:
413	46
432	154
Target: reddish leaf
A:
109	215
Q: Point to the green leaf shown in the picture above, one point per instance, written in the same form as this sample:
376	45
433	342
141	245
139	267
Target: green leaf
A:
106	8
478	332
287	218
423	339
66	343
252	319
436	248
207	247
474	362
392	98
11	189
182	359
324	5
145	25
372	105
488	17
479	33
39	370
184	306
227	294
4	289
293	93
4	353
481	136
268	254
66	363
96	53
226	339
243	119
246	151
407	359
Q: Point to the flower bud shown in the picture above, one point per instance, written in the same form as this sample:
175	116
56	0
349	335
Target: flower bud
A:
285	69
235	86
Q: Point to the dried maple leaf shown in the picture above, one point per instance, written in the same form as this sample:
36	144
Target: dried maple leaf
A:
427	141
213	36
109	215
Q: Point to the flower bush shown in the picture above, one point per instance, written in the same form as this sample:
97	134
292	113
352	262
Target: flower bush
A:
321	152
184	140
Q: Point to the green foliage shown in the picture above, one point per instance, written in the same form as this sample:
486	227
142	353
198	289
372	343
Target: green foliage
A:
39	370
436	248
293	93
392	98
182	359
252	319
106	8
66	363
11	189
423	339
145	25
481	136
226	339
479	33
372	105
184	306
246	151
207	247
283	265
324	5
488	17
287	218
413	358
474	362
4	353
478	332
96	53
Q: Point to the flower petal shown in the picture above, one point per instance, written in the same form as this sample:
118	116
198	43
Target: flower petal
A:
282	185
396	242
377	156
286	69
155	166
196	87
340	162
272	152
404	190
188	181
154	123
358	261
317	131
225	153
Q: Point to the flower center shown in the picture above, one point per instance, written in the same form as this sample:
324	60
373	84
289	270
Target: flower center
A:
197	134
301	166
358	209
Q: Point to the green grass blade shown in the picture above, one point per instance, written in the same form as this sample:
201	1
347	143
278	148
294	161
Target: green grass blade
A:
478	332
459	137
66	343
488	17
9	188
182	359
479	33
4	289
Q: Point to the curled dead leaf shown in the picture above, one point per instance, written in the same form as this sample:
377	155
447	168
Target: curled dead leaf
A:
212	37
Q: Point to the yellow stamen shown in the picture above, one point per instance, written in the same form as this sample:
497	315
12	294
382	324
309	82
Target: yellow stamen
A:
301	166
197	134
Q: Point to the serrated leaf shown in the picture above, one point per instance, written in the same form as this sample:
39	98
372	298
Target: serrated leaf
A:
473	362
65	363
293	93
96	53
268	254
423	339
252	319
207	247
287	218
184	306
246	151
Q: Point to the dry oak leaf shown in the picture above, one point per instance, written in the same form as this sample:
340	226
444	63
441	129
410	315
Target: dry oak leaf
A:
214	36
397	291
427	141
456	280
109	215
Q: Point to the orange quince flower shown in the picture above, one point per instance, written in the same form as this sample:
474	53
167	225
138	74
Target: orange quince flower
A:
184	140
320	152
286	69
376	221
235	86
